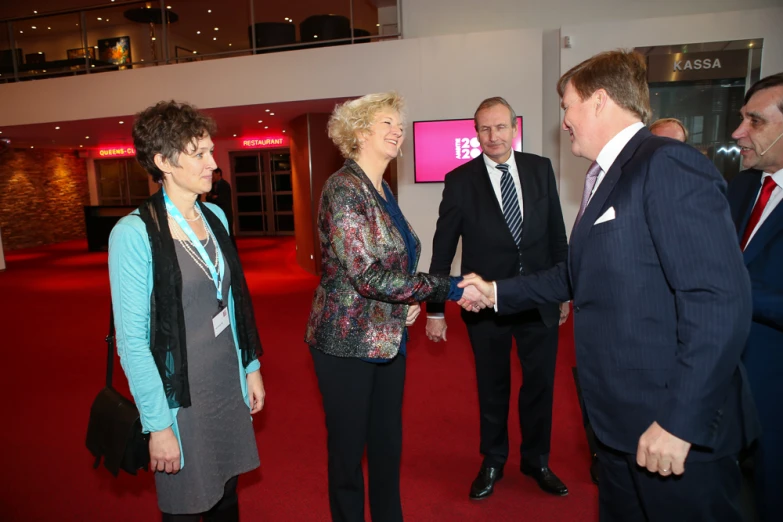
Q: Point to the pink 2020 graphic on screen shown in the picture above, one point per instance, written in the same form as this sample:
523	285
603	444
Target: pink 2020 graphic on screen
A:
440	146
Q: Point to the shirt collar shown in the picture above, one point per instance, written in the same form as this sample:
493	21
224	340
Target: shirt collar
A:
492	165
612	149
777	176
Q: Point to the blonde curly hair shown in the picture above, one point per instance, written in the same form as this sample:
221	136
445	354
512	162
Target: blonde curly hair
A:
359	115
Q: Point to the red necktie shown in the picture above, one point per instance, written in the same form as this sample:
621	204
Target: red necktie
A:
766	191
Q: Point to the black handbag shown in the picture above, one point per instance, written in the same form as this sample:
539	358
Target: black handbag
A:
114	430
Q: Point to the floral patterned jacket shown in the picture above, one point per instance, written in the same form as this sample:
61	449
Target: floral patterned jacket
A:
359	308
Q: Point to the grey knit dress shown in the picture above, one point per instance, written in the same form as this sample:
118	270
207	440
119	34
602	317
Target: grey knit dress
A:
217	435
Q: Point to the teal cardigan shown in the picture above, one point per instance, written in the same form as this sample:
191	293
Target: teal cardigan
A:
130	274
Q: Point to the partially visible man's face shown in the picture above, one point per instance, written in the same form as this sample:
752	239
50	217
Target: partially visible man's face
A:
762	124
215	177
669	130
496	132
579	121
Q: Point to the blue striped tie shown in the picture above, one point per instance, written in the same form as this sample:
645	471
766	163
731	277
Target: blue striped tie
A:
510	204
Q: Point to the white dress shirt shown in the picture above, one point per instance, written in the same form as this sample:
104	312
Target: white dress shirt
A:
774	199
494	178
613	149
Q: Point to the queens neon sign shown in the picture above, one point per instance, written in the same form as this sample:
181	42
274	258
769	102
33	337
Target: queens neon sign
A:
113	152
264	143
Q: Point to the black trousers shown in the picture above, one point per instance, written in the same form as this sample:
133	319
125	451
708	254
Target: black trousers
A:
537	351
363	407
706	492
226	510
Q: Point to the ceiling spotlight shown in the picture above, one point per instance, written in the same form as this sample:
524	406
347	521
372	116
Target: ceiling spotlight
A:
86	137
195	52
49	28
209	10
267	110
32	147
271	113
260	121
22	32
35	12
198	32
40	52
83	145
229	45
153	38
217	29
215	38
168	7
235	135
283	130
315	36
122	122
33	27
266	127
100	19
57	128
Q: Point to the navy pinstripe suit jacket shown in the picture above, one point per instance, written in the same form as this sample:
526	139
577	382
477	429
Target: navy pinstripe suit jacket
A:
662	302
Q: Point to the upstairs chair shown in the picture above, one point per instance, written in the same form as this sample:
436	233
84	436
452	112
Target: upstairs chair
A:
272	34
318	28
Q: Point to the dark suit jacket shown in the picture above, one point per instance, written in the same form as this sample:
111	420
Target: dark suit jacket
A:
763	258
662	302
220	195
471	210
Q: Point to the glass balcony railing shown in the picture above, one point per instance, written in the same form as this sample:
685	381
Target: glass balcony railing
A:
131	34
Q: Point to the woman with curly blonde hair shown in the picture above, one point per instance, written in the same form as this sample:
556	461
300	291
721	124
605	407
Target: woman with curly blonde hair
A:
369	293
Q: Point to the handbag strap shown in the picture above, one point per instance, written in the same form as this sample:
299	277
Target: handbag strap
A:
110	347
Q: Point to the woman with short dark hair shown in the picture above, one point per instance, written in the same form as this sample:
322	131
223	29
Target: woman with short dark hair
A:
186	332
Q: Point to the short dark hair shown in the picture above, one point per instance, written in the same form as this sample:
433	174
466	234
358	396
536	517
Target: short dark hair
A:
218	171
168	128
622	74
491	102
774	80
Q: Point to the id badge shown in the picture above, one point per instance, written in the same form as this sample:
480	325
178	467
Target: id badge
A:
220	321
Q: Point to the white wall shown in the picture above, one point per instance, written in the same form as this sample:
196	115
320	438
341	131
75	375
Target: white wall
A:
594	38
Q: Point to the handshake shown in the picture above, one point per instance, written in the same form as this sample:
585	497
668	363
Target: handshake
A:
477	294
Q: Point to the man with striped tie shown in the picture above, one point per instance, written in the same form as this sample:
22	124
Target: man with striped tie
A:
505	207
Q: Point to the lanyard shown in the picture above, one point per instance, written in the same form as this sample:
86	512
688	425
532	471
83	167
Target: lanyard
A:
194	241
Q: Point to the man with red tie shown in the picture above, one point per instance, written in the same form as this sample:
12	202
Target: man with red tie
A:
756	199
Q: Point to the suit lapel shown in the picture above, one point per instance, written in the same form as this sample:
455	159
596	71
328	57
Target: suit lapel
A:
526	183
769	228
748	201
593	211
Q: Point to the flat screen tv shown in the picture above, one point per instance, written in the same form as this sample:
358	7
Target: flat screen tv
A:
439	146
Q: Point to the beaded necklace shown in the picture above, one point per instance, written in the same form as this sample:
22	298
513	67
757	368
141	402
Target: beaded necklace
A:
178	234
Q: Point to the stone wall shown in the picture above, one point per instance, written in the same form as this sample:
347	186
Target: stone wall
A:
42	197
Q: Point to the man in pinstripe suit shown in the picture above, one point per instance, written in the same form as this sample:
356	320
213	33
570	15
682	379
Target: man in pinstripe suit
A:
662	306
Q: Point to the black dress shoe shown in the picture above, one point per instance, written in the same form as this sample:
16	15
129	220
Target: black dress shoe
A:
547	480
484	484
594	468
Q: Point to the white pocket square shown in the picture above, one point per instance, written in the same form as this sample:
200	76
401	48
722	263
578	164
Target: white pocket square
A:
608	216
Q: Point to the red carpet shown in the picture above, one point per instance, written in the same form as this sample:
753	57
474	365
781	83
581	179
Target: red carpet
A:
54	311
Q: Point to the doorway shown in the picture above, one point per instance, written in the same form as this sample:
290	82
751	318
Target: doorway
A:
263	194
121	182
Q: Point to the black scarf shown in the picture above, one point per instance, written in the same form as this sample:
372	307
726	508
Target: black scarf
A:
167	319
